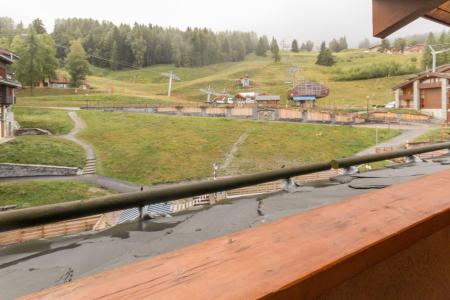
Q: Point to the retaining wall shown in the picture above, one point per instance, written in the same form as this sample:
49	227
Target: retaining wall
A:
21	170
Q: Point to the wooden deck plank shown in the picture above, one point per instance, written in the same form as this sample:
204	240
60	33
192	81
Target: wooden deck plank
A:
300	256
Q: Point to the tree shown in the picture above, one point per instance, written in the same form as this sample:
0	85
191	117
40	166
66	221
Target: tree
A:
343	45
275	50
442	58
262	46
385	45
325	57
334	46
37	58
400	44
309	46
48	53
77	64
364	44
294	47
38	26
114	57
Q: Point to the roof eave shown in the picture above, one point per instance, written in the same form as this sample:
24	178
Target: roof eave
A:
391	15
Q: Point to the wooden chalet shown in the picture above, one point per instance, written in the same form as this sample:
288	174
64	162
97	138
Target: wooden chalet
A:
7	95
246	97
426	92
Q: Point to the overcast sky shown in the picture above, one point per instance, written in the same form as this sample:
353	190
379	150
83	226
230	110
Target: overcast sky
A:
285	19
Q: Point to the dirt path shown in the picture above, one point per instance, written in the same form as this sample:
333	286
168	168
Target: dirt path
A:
230	155
72	135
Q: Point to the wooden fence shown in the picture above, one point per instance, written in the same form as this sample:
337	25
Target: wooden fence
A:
49	231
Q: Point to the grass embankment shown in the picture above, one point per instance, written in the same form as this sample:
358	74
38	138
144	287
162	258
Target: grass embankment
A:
149	86
55	121
44	150
35	193
435	135
151	149
96	99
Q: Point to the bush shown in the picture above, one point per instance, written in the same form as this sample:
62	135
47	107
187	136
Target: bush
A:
374	71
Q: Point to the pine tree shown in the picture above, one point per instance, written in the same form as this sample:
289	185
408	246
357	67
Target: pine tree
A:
309	46
441	59
114	57
334	46
260	48
77	64
38	26
325	57
294	47
343	45
275	50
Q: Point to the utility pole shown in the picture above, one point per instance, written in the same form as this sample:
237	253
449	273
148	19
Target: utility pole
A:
171	77
434	53
169	93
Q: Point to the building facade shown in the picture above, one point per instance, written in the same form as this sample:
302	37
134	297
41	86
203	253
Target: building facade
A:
7	94
426	92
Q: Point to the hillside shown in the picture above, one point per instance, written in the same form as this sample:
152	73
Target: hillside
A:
149	87
164	149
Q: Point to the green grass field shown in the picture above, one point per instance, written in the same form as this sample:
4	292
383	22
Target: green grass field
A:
148	86
55	121
45	150
152	149
34	193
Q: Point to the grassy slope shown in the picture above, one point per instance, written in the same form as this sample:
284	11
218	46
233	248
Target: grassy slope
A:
149	86
435	135
272	145
35	193
56	121
158	149
42	150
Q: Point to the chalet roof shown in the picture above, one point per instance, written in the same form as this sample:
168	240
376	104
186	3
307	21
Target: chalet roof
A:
390	16
247	95
421	76
11	83
309	88
7	56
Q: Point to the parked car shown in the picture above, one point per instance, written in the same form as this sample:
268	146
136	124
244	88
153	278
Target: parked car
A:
390	105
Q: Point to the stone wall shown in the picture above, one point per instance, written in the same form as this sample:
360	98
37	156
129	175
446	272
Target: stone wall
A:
21	170
31	131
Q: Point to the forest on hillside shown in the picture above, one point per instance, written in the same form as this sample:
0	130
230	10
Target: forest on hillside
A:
121	46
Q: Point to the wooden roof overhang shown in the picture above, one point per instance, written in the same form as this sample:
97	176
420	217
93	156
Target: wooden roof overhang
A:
391	15
298	257
420	77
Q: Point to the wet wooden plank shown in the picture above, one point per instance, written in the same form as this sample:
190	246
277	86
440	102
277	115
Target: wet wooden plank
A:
300	257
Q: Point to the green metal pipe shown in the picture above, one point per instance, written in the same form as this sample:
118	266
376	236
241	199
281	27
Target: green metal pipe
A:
34	216
365	159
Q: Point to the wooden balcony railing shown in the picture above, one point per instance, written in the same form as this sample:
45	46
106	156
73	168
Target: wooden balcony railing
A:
301	257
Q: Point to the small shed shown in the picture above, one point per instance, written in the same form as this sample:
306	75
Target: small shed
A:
267	100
